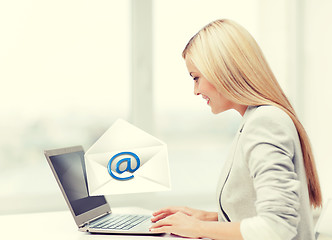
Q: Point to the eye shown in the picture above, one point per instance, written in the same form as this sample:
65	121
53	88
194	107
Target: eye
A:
195	79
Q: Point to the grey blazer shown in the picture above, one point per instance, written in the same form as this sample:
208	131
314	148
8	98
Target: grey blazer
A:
264	175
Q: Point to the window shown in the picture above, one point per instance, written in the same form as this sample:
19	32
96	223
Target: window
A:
65	79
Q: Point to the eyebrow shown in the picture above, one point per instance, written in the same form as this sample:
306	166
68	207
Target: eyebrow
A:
191	73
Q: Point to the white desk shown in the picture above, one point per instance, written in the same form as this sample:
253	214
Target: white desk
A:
61	226
54	225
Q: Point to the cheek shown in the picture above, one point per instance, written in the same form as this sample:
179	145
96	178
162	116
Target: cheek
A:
221	103
219	98
222	98
210	89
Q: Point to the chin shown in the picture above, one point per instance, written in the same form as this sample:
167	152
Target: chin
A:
216	111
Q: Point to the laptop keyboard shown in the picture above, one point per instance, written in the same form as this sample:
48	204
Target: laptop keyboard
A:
119	221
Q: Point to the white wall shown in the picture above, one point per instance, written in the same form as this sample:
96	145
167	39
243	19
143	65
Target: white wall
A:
318	86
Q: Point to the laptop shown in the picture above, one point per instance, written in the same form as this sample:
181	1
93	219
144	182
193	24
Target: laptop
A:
91	213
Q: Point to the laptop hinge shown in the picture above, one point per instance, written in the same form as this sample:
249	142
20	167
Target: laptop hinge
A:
92	219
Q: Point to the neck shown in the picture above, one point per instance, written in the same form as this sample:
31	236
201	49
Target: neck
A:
241	109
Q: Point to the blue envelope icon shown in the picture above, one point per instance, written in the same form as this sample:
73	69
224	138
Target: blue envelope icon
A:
125	159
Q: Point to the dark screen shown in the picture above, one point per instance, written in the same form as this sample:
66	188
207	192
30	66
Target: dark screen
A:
70	168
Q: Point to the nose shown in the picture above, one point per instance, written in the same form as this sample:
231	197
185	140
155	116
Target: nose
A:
196	92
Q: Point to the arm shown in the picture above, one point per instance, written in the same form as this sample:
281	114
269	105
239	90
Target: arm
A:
268	146
188	226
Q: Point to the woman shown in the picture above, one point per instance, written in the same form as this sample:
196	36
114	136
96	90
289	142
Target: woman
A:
269	182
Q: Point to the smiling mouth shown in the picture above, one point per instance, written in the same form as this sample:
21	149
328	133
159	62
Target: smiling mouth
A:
206	98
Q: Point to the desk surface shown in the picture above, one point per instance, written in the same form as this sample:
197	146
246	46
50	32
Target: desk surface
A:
61	225
55	225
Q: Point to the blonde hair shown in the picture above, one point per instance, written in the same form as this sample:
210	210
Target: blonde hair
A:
230	59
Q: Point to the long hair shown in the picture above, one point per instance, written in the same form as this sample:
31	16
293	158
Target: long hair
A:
230	59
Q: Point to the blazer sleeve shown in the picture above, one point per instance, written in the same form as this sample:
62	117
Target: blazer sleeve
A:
268	149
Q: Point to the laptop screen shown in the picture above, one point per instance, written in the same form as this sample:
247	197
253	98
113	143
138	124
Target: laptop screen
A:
70	168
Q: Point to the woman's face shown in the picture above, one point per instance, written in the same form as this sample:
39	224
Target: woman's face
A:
203	87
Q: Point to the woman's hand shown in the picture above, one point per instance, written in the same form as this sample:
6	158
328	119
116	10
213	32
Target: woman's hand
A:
193	223
198	214
182	221
178	223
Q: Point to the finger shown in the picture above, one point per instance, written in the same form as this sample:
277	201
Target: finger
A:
159	217
163	229
161	223
163	210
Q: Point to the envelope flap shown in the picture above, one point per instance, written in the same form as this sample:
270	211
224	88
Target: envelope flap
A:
123	135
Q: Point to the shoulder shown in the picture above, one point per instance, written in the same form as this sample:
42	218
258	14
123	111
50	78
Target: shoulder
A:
269	126
270	117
